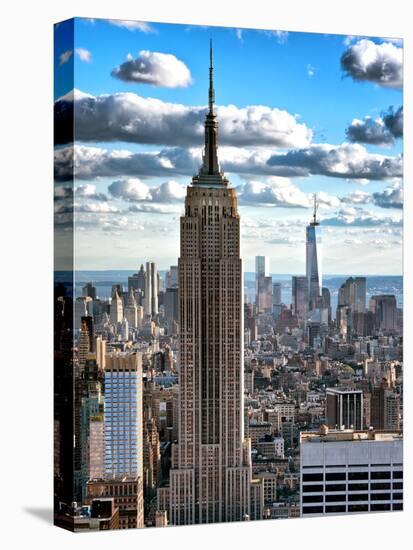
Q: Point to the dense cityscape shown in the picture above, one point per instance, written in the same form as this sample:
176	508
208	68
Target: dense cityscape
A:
192	402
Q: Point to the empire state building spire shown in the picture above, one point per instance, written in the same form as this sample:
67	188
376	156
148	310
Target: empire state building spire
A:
211	93
210	172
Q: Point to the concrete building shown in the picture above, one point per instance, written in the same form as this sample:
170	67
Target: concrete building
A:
116	308
350	471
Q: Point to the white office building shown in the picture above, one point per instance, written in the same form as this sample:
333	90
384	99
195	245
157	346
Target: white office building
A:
350	471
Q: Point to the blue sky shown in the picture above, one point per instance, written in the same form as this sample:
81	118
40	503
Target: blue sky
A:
296	77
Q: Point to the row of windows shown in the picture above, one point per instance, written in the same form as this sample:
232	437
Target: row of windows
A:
335	509
352	497
320	466
351	476
350	487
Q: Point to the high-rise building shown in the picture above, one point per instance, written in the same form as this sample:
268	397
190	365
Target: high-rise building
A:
385	407
89	290
123	415
171	307
173	276
210	478
151	289
131	310
116	308
123	425
313	260
137	283
262	266
350	471
264	294
344	409
300	296
384	307
83	308
263	283
276	294
352	294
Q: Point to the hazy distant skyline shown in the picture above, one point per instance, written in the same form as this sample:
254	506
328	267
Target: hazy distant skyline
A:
299	113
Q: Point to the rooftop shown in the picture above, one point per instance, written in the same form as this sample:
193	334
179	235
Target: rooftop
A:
326	435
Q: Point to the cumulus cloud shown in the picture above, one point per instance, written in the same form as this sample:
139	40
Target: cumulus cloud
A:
310	70
142	26
392	197
131	118
93	208
88	191
154	68
393	120
343	161
349	161
379	63
135	190
281	192
357	197
358	217
380	131
93	162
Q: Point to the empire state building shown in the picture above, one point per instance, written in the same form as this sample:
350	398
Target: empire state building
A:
210	478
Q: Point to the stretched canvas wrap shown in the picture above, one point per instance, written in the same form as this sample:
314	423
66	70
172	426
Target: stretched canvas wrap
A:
211	365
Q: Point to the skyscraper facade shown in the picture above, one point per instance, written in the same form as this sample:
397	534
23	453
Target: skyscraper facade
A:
210	479
151	289
313	260
123	416
344	409
300	296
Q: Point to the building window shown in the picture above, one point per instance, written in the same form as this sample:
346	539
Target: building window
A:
358	508
312	498
313	477
335	509
337	476
313	510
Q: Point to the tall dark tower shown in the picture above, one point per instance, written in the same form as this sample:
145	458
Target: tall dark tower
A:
210	478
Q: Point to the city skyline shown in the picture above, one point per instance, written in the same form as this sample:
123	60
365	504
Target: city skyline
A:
200	396
141	198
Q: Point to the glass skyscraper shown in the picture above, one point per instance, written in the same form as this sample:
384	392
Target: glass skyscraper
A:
123	416
313	261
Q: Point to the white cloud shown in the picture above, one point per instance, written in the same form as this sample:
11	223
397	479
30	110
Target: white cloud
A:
357	197
132	118
281	192
310	70
379	63
135	190
65	56
358	217
348	160
281	36
154	68
84	55
142	26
